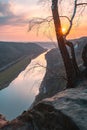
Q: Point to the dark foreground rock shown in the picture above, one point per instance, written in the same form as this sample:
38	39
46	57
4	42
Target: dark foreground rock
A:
84	55
67	110
42	117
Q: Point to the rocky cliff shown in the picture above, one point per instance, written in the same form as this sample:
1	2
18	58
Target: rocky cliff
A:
54	80
67	110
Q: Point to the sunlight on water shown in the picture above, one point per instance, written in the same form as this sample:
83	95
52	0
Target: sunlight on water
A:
22	91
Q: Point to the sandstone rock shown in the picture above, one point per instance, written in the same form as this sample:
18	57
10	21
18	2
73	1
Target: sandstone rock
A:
66	110
42	117
72	103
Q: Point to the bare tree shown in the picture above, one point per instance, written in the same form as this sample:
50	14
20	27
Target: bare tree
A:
71	67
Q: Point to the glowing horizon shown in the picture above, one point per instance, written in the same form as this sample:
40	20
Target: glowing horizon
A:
14	20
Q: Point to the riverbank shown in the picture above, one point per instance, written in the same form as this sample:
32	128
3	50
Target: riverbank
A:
7	75
63	110
21	92
15	57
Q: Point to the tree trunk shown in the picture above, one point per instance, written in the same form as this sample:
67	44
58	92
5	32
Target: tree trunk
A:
64	52
75	66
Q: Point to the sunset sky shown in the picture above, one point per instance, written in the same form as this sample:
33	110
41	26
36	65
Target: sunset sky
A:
15	15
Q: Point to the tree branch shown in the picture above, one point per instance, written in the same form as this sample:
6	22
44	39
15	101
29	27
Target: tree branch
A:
71	21
53	73
73	15
65	17
81	4
37	21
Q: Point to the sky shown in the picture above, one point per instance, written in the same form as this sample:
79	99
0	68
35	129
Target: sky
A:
15	16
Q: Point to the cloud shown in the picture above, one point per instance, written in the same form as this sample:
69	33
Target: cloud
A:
5	9
7	17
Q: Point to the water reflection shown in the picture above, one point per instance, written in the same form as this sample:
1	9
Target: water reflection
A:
22	91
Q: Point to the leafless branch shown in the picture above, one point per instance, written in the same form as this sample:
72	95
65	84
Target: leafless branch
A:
66	18
38	21
71	20
53	73
81	4
73	15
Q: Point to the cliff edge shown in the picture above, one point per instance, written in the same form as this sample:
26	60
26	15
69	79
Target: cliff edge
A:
67	110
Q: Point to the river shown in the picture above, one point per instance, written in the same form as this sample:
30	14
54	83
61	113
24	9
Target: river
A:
21	92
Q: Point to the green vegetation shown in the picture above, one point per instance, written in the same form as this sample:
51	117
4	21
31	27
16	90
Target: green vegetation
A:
10	73
11	51
14	57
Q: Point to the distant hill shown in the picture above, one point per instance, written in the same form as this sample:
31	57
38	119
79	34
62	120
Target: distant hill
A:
11	51
80	42
47	45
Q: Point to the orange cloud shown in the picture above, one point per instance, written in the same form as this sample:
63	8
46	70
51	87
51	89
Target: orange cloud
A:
14	24
16	33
